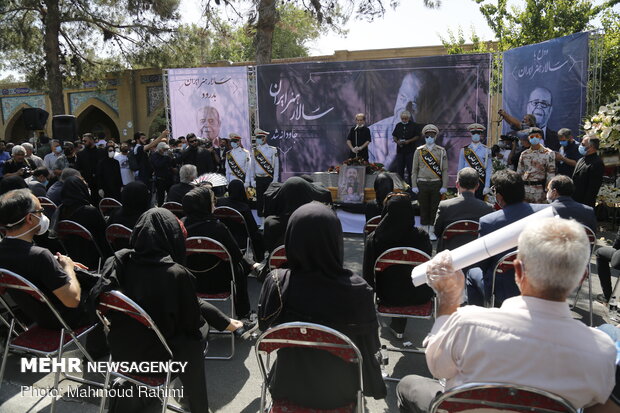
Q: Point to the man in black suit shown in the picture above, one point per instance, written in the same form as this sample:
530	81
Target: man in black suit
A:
566	158
588	175
559	192
464	206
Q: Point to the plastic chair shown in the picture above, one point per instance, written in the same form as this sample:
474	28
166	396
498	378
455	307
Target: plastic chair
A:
277	258
504	265
209	246
39	341
107	205
592	240
234	220
175	208
69	230
306	335
459	233
118	236
48	206
117	301
403	256
371	225
499	396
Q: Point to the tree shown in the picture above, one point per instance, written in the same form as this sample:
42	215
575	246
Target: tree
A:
610	84
329	14
192	46
57	42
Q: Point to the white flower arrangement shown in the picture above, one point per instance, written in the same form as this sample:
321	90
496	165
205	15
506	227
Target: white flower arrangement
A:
605	125
609	195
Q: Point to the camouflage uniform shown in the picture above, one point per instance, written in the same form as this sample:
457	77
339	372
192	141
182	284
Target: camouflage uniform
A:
537	167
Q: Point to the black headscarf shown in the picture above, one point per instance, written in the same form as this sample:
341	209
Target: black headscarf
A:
383	186
313	241
198	205
135	198
10	183
158	238
294	193
74	193
236	191
397	225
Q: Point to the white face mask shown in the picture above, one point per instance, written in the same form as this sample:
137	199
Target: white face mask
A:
44	225
111	154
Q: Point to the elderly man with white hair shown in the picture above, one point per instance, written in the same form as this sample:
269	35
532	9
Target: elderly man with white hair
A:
19	164
187	174
30	155
532	340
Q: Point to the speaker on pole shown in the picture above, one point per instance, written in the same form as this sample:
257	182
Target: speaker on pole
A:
64	128
34	118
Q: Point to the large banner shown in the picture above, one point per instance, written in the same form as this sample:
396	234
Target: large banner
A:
548	80
310	107
210	102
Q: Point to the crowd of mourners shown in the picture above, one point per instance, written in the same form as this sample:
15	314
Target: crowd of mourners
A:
515	329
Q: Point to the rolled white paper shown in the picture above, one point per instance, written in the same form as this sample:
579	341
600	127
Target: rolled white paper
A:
485	247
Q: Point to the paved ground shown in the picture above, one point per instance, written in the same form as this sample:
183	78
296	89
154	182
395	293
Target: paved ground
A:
234	386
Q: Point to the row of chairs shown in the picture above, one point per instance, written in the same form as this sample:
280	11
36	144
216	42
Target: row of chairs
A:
51	344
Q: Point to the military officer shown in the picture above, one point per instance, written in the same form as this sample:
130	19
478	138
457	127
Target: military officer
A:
478	156
238	161
265	167
429	178
537	167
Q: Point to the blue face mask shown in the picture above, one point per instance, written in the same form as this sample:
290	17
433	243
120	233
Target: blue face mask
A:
260	141
184	146
45	183
429	140
475	137
234	144
564	143
59	149
534	141
582	150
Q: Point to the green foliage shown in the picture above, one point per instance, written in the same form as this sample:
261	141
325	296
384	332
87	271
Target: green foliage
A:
192	46
456	43
610	86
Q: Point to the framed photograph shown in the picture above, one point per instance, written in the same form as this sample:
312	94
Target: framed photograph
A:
351	182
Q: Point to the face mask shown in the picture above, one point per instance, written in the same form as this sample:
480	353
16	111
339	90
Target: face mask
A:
184	146
549	198
45	182
110	154
582	149
534	141
259	141
429	140
475	137
59	149
44	224
564	143
234	144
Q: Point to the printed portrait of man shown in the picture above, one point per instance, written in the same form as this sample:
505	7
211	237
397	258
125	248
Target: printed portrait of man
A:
208	123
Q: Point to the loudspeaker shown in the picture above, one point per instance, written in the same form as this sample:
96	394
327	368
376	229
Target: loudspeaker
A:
64	128
34	118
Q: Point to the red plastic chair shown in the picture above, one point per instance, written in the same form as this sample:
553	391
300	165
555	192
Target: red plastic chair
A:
107	205
503	266
371	225
403	256
209	246
277	258
459	233
116	301
230	215
306	335
118	236
586	276
175	208
499	397
36	340
48	205
67	230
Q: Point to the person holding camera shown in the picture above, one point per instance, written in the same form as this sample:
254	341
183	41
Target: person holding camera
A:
19	164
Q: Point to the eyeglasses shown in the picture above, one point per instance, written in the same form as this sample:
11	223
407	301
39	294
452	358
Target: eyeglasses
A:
193	141
539	104
38	211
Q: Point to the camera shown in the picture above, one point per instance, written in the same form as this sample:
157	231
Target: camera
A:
508	138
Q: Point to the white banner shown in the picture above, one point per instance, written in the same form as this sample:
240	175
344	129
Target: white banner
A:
210	102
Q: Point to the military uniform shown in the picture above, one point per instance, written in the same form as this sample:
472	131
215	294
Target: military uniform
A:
265	168
429	175
477	156
537	167
239	165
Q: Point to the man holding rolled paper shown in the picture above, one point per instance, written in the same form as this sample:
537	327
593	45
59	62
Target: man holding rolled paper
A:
532	340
